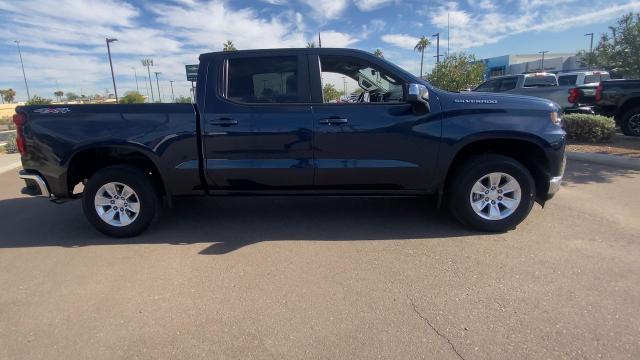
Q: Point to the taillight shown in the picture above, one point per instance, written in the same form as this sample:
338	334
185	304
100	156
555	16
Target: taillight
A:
20	119
599	93
574	95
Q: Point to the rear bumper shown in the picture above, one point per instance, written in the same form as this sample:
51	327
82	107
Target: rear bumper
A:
35	184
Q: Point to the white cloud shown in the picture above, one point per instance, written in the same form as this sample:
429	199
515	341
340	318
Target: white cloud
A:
370	5
327	9
337	39
401	40
275	2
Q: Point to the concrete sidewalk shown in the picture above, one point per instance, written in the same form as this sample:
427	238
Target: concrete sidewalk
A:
9	162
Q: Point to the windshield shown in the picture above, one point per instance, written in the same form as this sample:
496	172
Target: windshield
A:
540	80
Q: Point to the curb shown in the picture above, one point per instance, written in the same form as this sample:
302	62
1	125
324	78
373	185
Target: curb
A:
604	159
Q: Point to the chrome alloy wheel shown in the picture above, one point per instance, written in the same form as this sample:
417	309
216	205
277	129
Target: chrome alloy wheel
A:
495	196
117	204
634	124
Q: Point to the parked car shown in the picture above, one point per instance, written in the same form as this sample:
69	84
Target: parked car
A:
620	99
541	84
580	78
260	127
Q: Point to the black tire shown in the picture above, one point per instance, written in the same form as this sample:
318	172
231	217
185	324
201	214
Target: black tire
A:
142	185
630	123
473	169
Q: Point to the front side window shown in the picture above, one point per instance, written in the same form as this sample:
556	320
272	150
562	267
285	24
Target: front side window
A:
351	80
540	81
263	79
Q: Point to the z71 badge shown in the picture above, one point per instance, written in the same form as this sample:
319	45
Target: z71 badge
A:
52	110
475	101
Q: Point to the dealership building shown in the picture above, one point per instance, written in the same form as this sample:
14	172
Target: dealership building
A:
518	64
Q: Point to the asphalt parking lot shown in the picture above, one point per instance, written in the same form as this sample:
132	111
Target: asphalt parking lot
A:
326	278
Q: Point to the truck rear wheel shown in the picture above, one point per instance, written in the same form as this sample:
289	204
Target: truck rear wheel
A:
491	193
120	201
630	124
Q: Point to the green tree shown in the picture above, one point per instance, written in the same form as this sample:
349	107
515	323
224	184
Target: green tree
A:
58	94
378	53
618	52
37	100
183	99
311	45
72	96
330	92
8	95
132	97
457	72
421	46
228	46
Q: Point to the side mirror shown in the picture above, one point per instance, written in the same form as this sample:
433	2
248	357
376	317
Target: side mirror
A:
418	96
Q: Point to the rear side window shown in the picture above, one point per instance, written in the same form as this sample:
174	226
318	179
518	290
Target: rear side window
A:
589	79
567	80
263	79
540	80
487	86
507	84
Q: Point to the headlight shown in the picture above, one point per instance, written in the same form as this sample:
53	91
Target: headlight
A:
555	118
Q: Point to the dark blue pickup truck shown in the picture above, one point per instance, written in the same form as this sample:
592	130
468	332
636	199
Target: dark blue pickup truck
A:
260	126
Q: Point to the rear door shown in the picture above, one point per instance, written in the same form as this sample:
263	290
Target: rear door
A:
377	142
257	123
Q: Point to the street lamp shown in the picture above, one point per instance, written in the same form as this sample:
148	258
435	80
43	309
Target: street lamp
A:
437	36
148	63
115	91
136	76
173	99
542	61
23	74
591	48
158	83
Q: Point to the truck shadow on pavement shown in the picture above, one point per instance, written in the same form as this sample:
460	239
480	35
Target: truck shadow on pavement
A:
579	172
232	223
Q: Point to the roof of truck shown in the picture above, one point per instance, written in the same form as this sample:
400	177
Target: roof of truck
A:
284	50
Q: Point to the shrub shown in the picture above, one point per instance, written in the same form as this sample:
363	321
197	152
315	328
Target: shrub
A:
11	147
589	128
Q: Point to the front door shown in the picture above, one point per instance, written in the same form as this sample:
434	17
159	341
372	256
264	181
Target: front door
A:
369	138
258	130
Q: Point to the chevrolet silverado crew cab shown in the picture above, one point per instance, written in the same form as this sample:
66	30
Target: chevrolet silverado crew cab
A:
261	126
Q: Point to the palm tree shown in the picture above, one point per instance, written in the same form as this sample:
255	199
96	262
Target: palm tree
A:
228	46
58	94
421	46
378	53
311	45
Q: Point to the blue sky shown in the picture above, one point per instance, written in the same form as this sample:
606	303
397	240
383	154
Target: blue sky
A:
63	41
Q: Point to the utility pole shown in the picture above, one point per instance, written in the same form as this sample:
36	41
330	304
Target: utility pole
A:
173	99
23	74
542	62
136	76
448	34
148	63
115	91
590	49
437	36
319	40
158	83
344	85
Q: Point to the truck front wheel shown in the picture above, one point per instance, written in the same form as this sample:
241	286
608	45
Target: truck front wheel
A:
120	201
491	193
630	123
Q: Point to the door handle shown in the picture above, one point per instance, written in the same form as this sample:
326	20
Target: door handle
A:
334	121
224	122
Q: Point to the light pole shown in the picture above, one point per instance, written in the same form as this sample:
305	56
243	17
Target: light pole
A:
437	36
148	63
115	91
542	61
173	99
23	74
136	76
591	48
158	83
